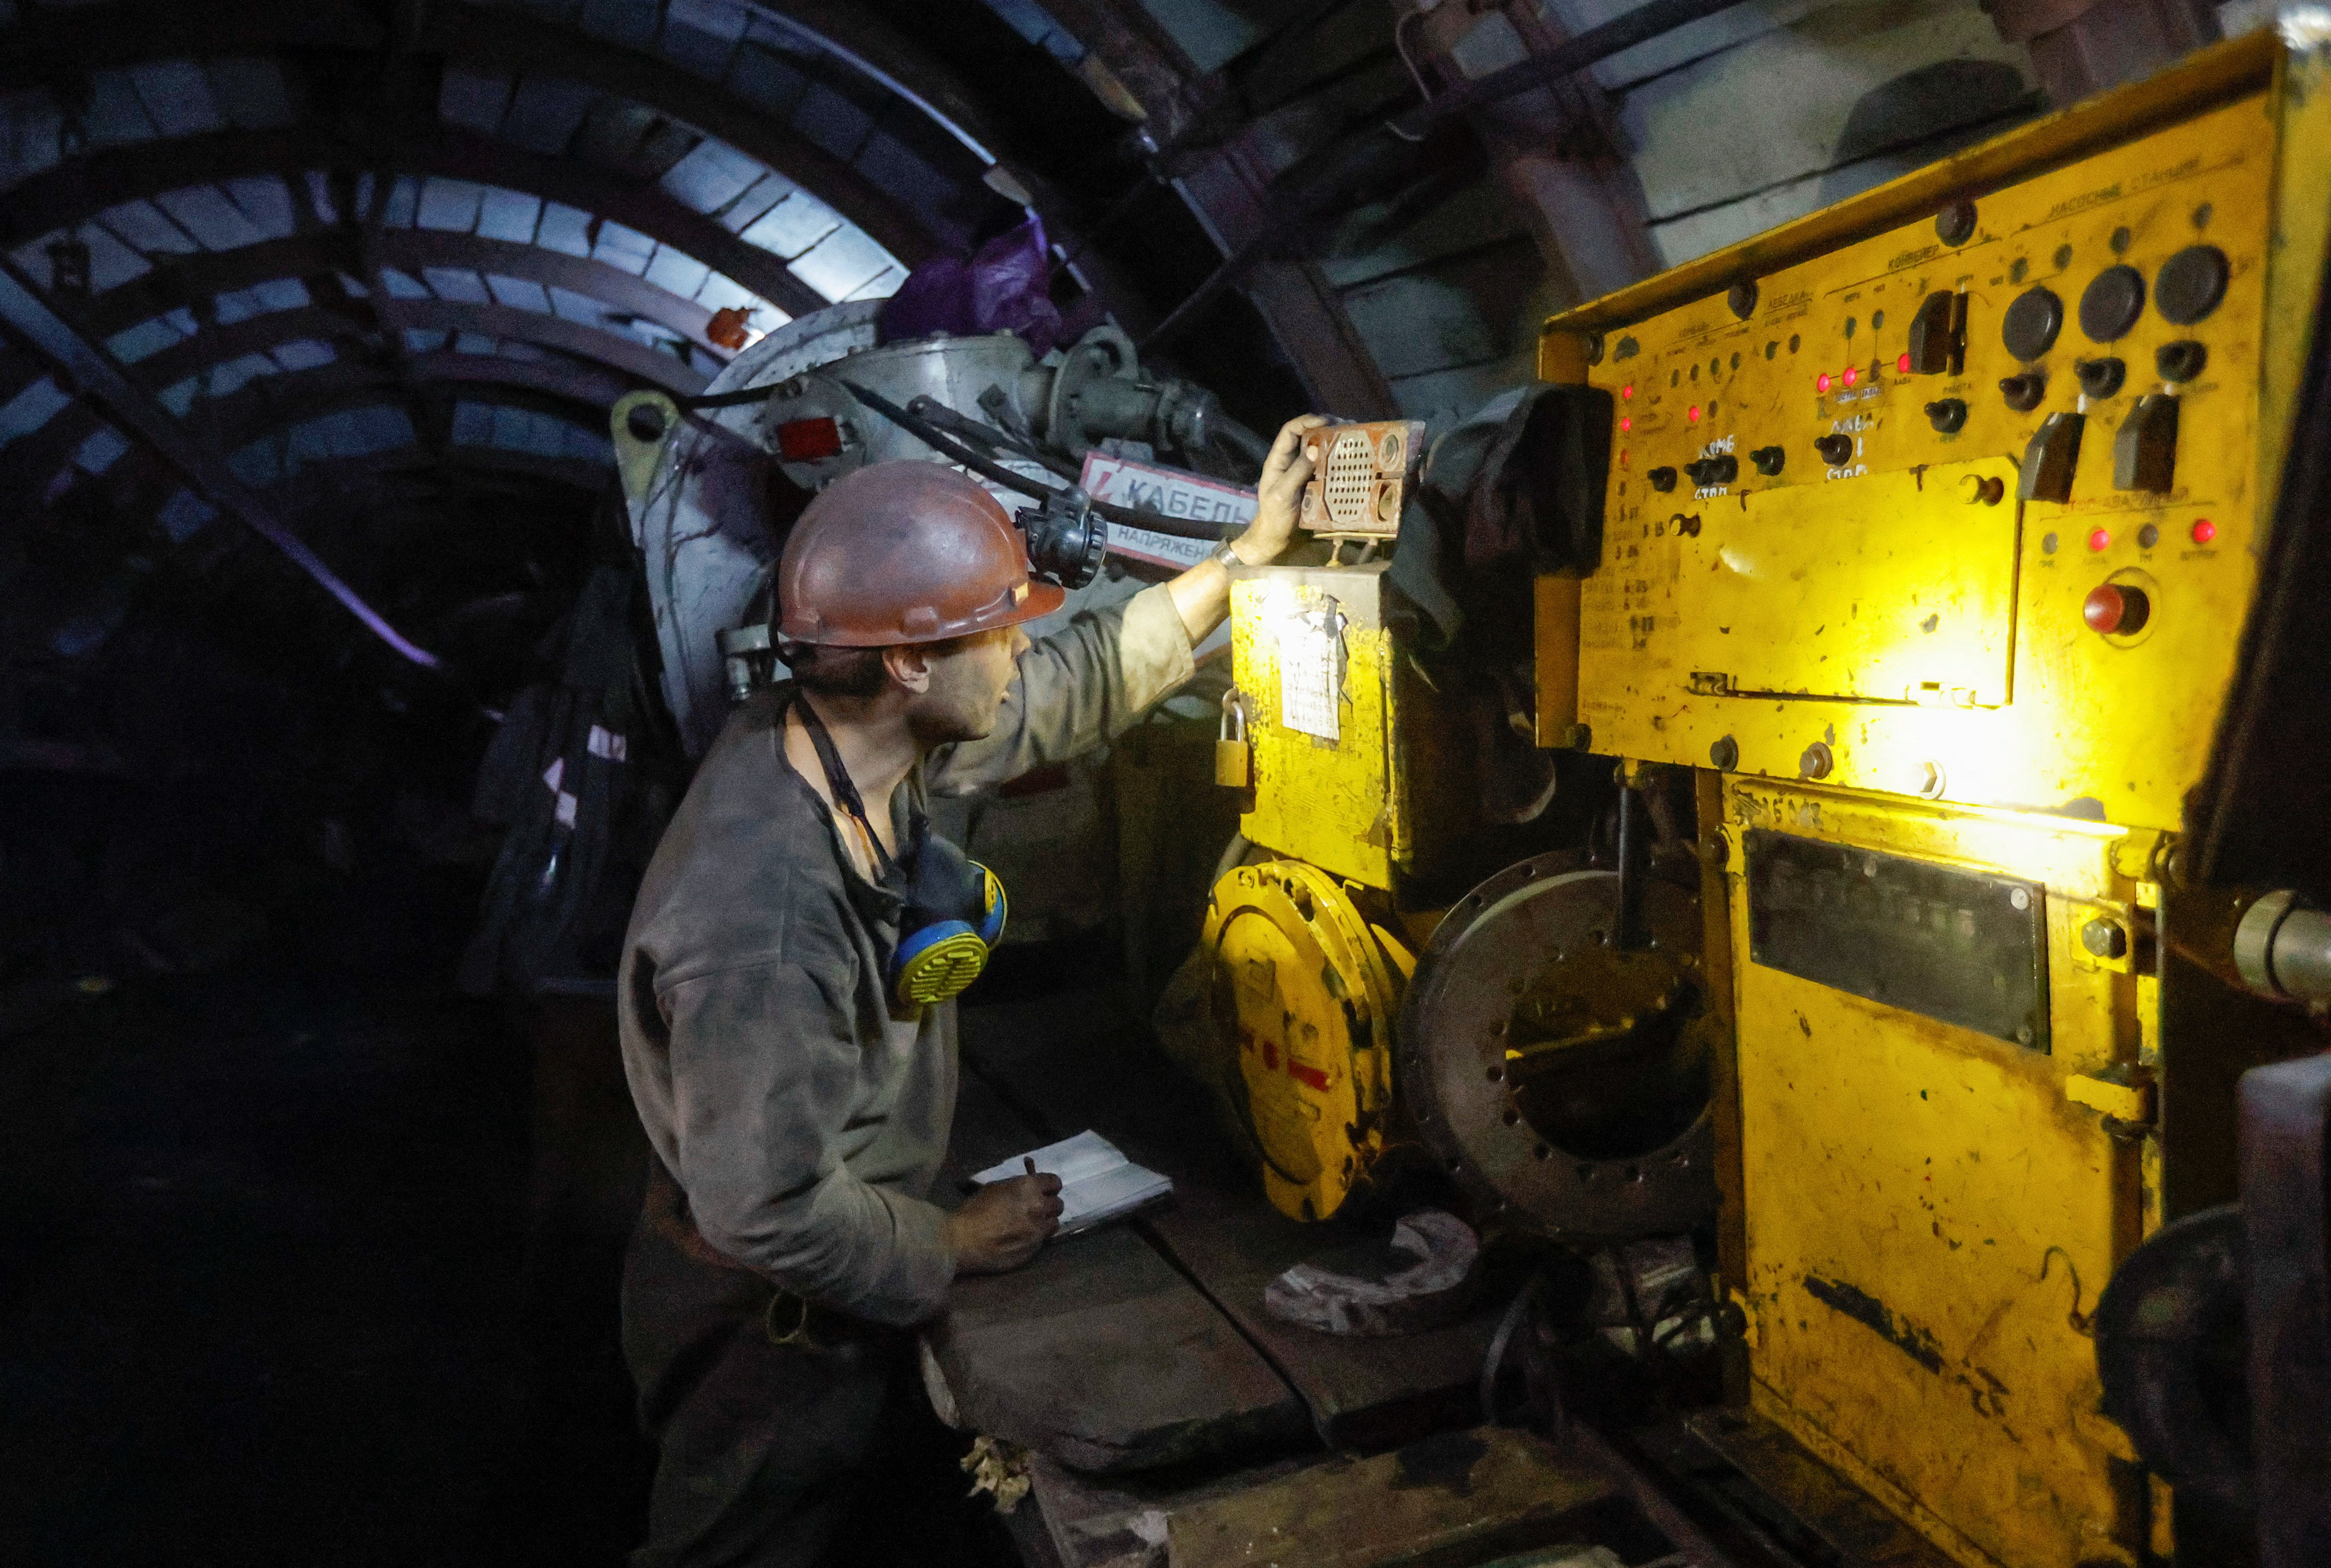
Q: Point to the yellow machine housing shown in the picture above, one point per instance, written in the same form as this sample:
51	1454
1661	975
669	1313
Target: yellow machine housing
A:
1851	578
1306	986
1305	991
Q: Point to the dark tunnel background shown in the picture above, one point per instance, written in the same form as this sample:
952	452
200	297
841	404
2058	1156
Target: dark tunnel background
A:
306	1254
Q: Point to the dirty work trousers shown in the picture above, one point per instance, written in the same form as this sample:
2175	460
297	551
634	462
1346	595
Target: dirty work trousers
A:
776	1455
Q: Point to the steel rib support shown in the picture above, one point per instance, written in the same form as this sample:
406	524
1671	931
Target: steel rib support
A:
81	364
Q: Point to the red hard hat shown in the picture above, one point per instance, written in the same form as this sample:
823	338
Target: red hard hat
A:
904	552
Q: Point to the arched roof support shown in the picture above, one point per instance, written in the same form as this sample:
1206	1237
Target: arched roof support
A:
65	44
72	193
186	281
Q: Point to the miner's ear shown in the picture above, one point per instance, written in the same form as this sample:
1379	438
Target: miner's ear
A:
910	665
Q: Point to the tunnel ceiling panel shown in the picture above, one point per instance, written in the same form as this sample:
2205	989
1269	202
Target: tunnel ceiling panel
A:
540	207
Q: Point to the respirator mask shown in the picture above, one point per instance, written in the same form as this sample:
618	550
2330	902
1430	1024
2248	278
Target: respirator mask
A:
955	907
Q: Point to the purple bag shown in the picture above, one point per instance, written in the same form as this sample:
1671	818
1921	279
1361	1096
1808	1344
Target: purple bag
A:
1003	287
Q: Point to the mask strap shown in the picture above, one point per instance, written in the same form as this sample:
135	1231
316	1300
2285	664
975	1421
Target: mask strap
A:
837	779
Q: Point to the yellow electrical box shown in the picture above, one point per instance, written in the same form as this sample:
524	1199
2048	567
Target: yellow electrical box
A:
1338	776
1930	528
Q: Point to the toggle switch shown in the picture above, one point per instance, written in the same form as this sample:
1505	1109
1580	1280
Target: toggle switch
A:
2180	361
2117	609
1714	470
1662	479
1946	415
2101	377
1834	449
1769	460
1938	334
2024	392
2144	451
2050	460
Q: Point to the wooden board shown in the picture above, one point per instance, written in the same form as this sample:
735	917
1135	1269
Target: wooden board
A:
1099	1352
1451	1497
1072	1063
1454	1498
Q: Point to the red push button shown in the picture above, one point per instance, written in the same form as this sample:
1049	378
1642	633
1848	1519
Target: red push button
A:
2113	608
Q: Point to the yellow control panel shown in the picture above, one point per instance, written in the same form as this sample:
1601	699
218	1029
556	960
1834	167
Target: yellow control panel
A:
1962	509
1930	528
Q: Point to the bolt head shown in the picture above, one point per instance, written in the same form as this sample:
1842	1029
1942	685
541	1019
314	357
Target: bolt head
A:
2105	939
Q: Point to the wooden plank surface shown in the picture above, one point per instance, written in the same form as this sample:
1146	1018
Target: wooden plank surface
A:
1072	1062
1099	1352
1451	1497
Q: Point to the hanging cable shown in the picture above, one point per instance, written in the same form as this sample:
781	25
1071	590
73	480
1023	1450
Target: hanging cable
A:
940	442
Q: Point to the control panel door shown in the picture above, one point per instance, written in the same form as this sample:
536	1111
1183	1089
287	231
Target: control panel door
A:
1929	1214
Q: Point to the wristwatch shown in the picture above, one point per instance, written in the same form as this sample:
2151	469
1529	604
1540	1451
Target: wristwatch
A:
1227	557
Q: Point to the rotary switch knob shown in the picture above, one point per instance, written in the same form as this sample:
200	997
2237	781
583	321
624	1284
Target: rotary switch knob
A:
1833	449
2189	284
1663	478
2032	323
2111	303
1714	470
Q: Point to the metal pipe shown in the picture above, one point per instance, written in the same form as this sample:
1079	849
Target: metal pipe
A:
2282	949
1626	930
1629	921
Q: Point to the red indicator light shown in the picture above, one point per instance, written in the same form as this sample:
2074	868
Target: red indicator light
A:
2099	539
1821	382
1853	374
808	440
1903	364
1622	457
1628	390
2205	531
1626	422
1692	413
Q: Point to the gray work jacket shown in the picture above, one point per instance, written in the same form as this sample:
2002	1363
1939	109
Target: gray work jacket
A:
804	1124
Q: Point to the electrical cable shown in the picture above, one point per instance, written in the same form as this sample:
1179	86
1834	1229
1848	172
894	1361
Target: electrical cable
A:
736	398
956	424
931	436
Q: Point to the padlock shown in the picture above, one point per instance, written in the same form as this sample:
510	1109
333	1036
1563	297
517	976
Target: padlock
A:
1234	754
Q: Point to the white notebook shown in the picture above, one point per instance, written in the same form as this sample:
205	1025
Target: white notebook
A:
1097	1182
